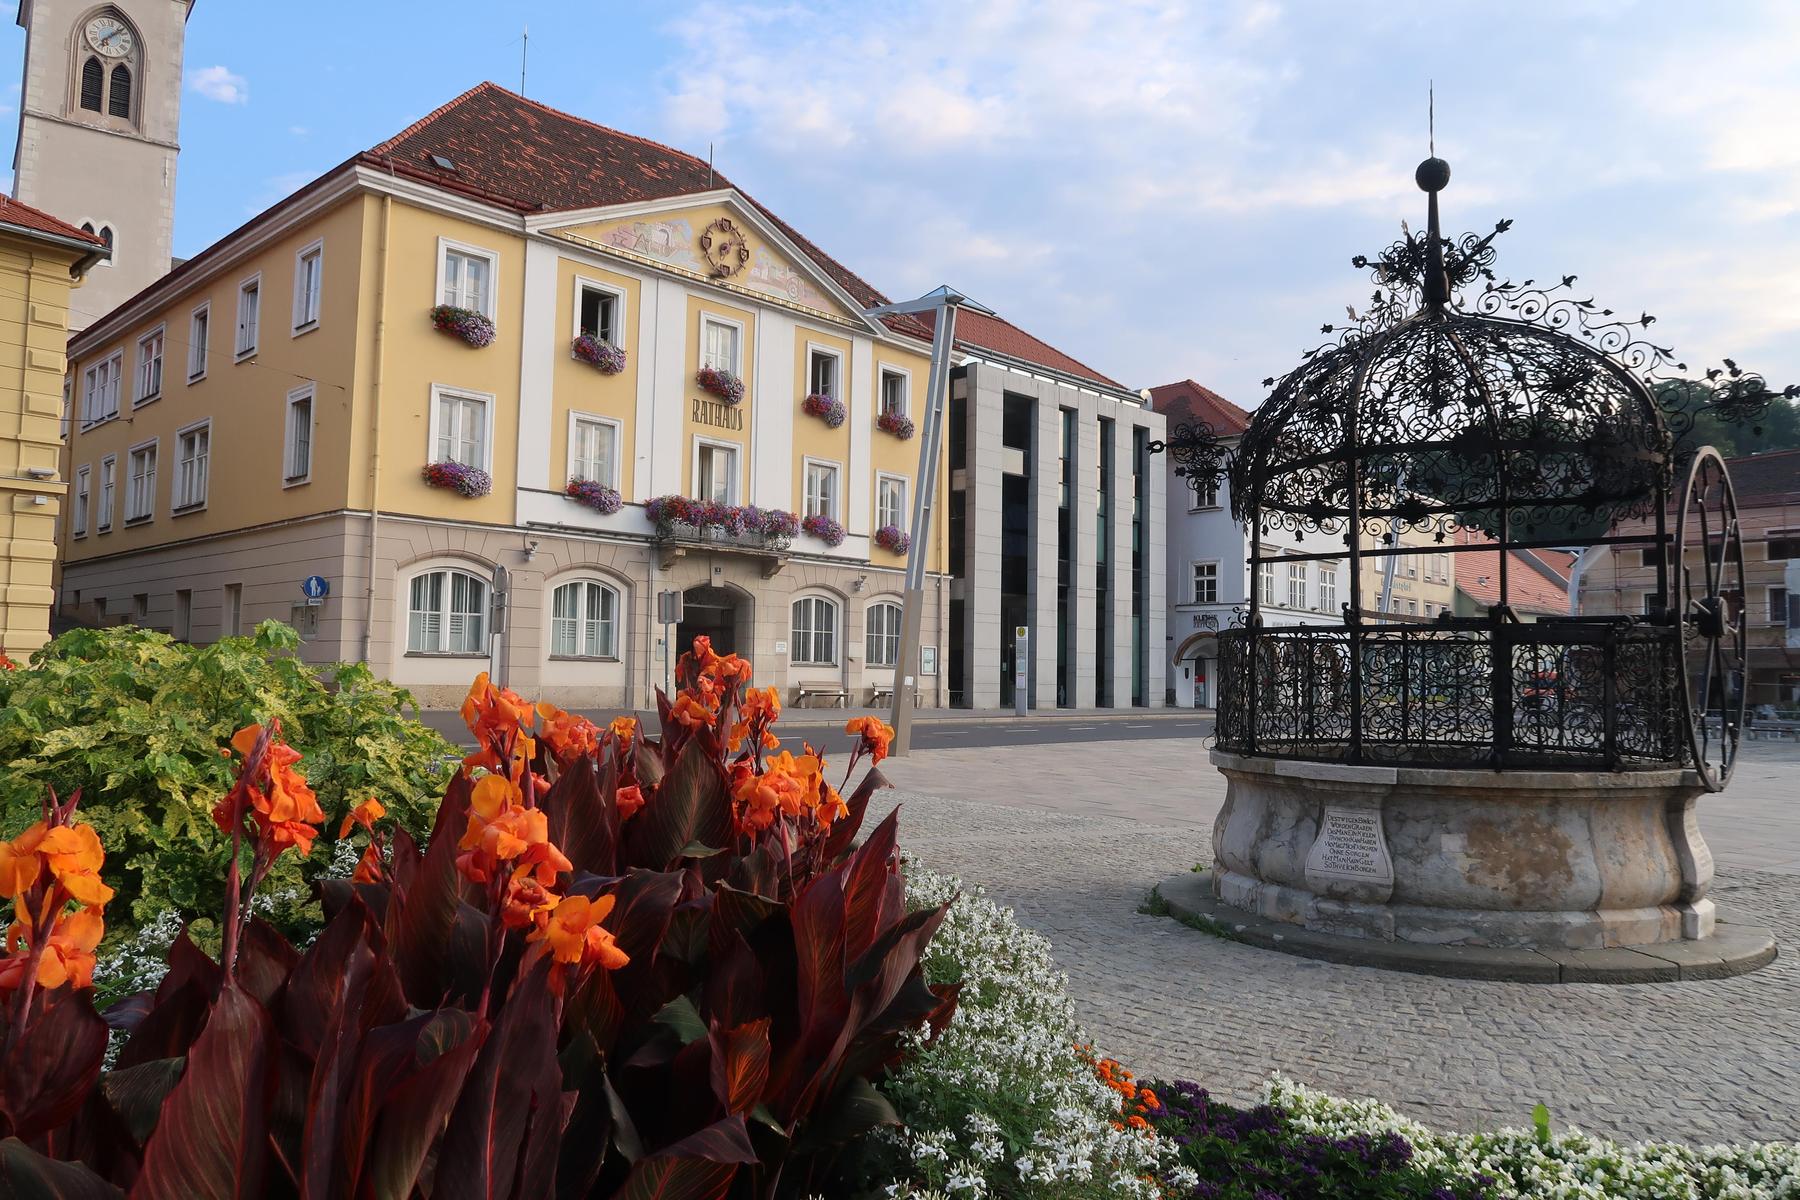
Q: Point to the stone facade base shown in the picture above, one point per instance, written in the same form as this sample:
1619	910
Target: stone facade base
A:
1570	861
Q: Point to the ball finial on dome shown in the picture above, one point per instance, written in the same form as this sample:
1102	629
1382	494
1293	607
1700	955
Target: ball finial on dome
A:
1433	174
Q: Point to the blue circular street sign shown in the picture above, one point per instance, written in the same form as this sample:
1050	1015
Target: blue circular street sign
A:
315	587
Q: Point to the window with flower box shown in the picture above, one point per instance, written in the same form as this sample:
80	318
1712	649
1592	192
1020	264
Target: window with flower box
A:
461	427
466	277
894	387
821	497
720	344
593	449
715	472
597	312
822	373
890	501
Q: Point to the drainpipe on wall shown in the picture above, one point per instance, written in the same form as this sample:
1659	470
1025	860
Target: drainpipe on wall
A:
381	271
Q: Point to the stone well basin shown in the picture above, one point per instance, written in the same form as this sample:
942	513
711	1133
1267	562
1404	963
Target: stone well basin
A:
1541	859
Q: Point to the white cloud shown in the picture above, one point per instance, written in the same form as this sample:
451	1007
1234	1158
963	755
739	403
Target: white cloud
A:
220	84
299	131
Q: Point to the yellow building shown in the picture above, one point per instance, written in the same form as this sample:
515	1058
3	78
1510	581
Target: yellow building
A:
41	259
1424	579
264	414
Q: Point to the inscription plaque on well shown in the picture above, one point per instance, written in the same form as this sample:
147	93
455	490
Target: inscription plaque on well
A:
1350	846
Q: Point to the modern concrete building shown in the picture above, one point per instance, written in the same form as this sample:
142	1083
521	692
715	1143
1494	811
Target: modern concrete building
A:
41	260
1055	516
99	132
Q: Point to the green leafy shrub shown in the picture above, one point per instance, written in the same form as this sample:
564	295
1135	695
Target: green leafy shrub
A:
136	721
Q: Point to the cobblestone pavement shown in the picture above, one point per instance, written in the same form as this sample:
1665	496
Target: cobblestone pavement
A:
1080	833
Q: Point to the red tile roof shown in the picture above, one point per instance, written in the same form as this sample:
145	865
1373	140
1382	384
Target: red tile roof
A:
1186	400
980	332
26	217
1537	581
1769	478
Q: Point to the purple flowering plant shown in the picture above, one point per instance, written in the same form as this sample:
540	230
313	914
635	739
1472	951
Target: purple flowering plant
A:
722	384
898	424
453	476
773	525
824	528
464	324
828	409
892	537
595	495
604	357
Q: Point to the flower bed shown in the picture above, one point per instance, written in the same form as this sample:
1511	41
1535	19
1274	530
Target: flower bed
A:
597	496
894	538
722	384
464	481
604	357
773	525
824	528
828	409
898	424
472	328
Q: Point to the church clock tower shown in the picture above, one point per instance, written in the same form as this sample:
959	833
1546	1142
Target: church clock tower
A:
99	126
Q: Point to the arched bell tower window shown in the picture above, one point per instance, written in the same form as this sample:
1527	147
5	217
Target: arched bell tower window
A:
93	80
118	96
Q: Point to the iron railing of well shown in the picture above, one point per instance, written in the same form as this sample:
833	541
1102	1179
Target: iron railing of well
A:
1598	694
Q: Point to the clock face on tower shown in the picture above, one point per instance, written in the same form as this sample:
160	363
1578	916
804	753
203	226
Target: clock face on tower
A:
110	37
724	247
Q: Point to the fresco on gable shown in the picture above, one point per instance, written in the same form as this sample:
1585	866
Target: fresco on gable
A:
671	242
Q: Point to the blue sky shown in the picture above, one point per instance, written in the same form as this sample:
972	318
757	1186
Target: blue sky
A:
1160	189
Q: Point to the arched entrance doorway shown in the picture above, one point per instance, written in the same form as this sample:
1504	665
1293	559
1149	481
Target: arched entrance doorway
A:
719	613
1196	685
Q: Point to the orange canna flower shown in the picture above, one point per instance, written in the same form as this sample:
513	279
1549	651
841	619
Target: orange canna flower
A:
573	931
568	734
630	799
624	728
368	867
19	862
282	805
693	712
495	713
525	898
364	814
876	736
71	853
68	956
502	830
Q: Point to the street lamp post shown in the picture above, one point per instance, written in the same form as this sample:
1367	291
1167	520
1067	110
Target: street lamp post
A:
944	303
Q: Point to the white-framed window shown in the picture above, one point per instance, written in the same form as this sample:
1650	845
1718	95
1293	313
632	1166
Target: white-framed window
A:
309	282
1412	608
1206	583
296	455
462	426
584	620
1203	495
882	623
199	339
895	386
815	632
1650	602
78	520
1265	583
466	276
109	471
821	496
100	388
1328	600
890	501
594	448
193	449
721	344
1778	605
140	482
1296	585
1443	567
599	312
249	315
446	613
715	471
149	366
824	369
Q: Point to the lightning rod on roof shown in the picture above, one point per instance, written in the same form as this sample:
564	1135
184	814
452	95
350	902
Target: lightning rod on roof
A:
709	164
524	50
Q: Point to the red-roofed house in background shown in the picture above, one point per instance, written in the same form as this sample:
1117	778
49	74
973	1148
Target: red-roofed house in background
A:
1768	498
1537	580
512	355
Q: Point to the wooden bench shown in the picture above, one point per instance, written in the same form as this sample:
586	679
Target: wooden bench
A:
885	695
837	693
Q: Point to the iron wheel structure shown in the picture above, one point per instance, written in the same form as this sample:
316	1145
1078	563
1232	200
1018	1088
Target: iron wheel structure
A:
1537	418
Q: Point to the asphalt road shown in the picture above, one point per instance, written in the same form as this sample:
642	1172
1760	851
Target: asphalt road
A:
945	734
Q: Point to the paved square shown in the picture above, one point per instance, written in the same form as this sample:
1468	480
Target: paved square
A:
1072	837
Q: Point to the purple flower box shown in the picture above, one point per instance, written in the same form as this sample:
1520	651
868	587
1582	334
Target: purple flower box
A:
464	481
898	424
723	384
604	357
597	496
824	528
465	324
892	537
769	526
828	409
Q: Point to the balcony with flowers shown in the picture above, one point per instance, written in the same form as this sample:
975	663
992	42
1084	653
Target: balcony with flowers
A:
681	523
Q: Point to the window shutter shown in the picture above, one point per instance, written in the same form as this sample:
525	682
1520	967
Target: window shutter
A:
93	79
118	100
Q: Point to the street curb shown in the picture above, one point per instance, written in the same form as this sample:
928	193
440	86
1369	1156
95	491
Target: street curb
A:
1733	950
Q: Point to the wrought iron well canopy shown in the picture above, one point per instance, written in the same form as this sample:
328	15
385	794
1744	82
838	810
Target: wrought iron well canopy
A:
1525	417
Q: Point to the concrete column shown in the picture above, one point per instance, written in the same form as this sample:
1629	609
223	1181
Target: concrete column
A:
1121	558
985	410
1046	495
1087	475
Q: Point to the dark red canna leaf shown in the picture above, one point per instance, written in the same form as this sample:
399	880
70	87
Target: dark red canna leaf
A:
873	894
27	1175
264	962
698	1167
415	1111
315	987
740	1064
844	829
211	1140
124	1016
137	1093
189	962
422	932
582	812
50	1069
168	1030
692	806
